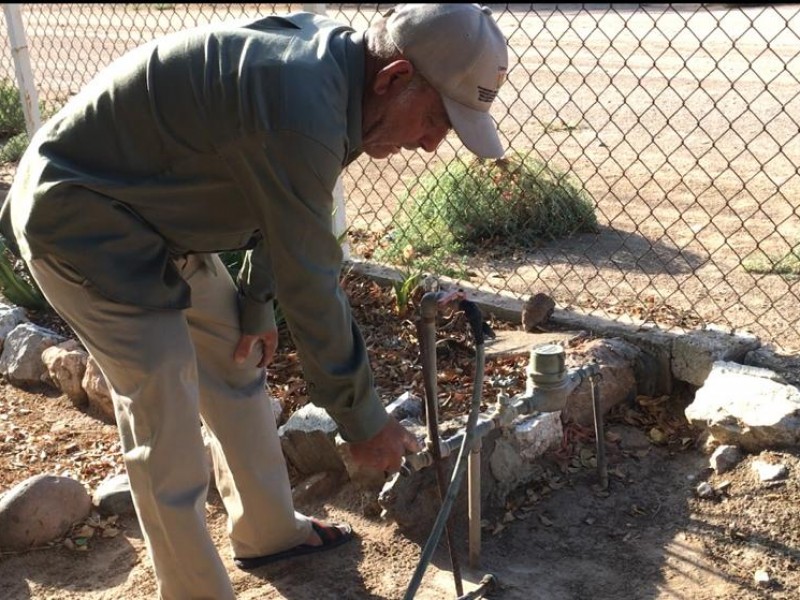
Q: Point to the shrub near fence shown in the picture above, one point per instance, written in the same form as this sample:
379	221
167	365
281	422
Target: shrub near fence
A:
678	123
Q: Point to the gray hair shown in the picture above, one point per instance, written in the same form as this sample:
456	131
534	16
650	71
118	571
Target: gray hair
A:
380	45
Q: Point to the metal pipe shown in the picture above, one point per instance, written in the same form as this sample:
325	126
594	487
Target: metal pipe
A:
599	433
427	337
542	398
474	506
458	471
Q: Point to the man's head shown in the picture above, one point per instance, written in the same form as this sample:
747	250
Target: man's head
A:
431	67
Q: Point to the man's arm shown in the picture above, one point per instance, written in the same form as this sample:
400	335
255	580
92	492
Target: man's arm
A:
288	179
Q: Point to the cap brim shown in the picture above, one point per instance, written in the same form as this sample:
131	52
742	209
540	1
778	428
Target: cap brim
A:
476	129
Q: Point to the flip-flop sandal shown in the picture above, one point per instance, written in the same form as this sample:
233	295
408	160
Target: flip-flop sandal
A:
330	535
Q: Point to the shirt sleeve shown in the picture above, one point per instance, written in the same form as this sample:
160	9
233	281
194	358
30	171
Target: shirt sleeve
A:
256	284
288	179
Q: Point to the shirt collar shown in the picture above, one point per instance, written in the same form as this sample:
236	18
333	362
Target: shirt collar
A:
355	53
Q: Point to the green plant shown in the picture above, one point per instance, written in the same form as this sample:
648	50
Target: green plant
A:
18	289
12	119
13	148
559	124
787	266
518	202
405	288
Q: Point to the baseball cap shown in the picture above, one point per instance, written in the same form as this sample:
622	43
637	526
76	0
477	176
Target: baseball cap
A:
461	52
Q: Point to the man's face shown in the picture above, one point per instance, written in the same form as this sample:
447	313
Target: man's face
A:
413	118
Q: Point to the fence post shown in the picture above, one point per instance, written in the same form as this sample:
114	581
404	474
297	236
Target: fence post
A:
22	66
339	214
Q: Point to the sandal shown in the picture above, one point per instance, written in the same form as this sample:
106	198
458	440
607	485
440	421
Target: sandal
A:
330	535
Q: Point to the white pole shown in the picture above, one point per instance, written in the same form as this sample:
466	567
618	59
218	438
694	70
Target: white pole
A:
339	214
22	66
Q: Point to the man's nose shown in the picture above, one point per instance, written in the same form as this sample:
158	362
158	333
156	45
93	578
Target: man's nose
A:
431	140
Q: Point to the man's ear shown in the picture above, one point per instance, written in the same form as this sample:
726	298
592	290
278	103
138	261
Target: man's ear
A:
395	75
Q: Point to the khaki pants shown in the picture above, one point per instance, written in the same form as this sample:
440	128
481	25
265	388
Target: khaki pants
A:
167	369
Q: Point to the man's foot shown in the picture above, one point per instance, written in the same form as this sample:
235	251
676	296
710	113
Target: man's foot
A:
323	537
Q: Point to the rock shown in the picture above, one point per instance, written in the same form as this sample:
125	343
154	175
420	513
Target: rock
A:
748	407
725	458
761	578
538	434
787	366
406	406
630	438
365	478
277	408
21	360
41	509
96	388
694	354
308	440
705	491
507	469
617	383
768	471
317	487
66	366
537	311
10	317
413	502
113	496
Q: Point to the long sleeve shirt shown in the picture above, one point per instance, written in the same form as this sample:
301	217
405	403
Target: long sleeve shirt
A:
219	138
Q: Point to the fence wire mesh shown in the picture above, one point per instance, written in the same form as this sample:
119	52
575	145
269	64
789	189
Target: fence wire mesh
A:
677	124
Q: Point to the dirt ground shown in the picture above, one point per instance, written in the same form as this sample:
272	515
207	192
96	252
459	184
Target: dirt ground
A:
648	537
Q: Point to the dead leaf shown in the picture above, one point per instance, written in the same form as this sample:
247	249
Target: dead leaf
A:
657	436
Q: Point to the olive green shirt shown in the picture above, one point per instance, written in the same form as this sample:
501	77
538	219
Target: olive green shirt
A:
218	138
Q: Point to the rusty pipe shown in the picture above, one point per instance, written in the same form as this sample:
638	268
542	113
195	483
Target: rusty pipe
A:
429	306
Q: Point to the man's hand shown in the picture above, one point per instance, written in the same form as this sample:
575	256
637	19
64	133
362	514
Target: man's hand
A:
386	449
268	345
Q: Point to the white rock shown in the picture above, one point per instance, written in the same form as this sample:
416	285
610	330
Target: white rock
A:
761	578
21	360
538	434
768	471
704	490
407	405
725	458
748	407
10	317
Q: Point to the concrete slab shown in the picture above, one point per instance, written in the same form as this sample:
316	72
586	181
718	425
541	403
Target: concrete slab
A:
510	343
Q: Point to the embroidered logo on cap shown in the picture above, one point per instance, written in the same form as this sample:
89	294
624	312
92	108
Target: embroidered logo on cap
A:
487	95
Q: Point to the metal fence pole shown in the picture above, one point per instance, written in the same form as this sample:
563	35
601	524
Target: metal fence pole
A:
22	66
339	214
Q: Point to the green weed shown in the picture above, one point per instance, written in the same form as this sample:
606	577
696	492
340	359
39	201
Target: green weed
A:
18	288
787	266
12	149
511	203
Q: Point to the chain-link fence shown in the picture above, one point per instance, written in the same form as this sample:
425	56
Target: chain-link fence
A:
679	123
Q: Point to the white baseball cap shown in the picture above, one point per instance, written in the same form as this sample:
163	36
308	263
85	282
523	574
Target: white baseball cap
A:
461	52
